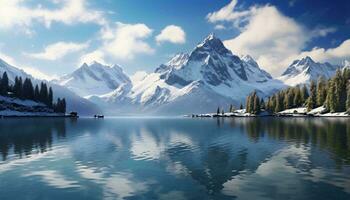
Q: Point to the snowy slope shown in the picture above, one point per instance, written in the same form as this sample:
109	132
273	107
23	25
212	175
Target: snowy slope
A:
304	70
11	71
207	77
74	102
94	79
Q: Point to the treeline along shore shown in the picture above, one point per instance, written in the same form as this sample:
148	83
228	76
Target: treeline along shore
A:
322	98
24	99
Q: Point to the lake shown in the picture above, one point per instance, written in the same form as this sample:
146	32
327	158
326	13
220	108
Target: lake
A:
175	158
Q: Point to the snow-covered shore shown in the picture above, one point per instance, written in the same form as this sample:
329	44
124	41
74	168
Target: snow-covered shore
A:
14	107
294	112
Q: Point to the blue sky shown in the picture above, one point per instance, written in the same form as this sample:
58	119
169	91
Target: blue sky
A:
50	38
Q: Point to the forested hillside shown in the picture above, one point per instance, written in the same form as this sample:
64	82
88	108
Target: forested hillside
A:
14	95
333	94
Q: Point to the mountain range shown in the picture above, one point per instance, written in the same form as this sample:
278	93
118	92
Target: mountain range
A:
74	101
199	81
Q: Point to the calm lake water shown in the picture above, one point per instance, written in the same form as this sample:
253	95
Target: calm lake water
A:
159	158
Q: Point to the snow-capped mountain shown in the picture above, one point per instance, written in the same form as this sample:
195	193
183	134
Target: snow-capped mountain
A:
74	102
207	77
94	79
304	70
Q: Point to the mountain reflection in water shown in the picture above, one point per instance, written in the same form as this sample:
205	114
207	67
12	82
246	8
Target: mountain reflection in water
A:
243	158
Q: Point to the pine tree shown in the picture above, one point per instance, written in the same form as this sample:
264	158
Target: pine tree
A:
330	100
311	103
50	97
4	84
340	91
279	103
64	106
20	88
231	108
44	93
256	104
348	99
262	104
36	93
28	90
247	104
321	91
17	87
297	97
304	94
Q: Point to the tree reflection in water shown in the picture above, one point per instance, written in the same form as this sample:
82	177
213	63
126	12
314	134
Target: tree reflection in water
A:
28	136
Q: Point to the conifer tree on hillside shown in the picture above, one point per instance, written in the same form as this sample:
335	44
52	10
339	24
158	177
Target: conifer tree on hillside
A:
297	97
17	87
28	90
4	84
36	93
247	104
304	94
256	104
262	104
330	100
279	102
340	91
321	91
44	93
231	108
311	102
50	97
348	99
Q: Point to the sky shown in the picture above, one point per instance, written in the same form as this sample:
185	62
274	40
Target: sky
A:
50	38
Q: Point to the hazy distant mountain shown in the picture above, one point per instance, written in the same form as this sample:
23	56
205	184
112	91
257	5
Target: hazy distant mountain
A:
74	102
304	70
94	79
207	77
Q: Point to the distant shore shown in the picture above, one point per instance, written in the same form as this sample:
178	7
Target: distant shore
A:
295	112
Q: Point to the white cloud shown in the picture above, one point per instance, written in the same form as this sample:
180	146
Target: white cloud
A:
173	34
219	27
17	13
58	50
335	55
229	14
267	35
96	55
122	41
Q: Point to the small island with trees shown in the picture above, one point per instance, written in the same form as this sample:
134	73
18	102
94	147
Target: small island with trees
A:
322	98
22	98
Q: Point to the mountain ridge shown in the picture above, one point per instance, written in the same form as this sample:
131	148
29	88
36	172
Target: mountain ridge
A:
74	102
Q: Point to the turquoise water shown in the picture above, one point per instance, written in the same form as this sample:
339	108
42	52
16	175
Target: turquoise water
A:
160	158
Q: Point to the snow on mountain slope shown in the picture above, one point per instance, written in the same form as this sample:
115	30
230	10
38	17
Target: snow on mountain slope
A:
74	102
94	79
209	76
304	70
11	71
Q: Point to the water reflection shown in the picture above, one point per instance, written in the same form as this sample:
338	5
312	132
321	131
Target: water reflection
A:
243	158
27	136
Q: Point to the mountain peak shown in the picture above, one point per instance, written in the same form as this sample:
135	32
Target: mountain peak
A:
211	44
306	60
304	70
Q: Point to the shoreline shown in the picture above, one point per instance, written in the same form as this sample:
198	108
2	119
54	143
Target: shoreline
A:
38	116
273	115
